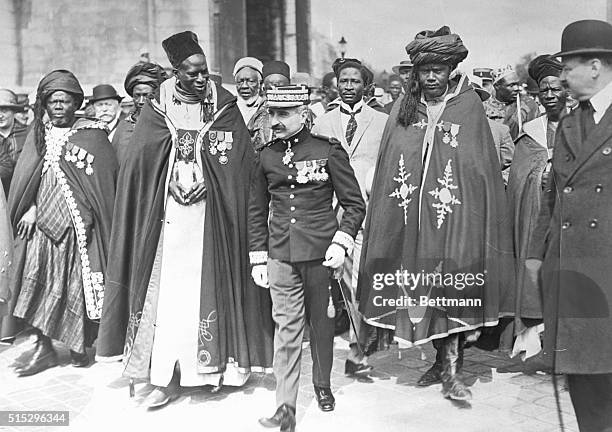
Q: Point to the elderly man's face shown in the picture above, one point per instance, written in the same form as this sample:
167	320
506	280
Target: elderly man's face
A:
106	109
193	75
507	88
351	85
7	118
404	73
61	107
433	79
275	80
286	122
395	89
578	76
140	93
552	95
248	84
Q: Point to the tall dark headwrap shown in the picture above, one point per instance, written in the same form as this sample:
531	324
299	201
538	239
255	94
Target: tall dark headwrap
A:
150	74
543	66
428	46
58	80
440	46
180	46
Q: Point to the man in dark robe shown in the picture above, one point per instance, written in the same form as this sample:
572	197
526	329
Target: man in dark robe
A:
61	203
531	165
436	255
179	244
141	81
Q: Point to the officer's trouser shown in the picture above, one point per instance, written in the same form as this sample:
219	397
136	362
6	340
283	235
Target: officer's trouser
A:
300	292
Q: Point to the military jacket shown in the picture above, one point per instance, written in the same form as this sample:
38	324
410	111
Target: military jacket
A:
291	217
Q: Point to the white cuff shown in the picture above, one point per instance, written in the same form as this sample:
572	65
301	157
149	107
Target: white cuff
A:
344	240
258	257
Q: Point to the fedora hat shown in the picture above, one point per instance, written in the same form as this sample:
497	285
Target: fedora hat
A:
8	99
586	37
104	91
402	64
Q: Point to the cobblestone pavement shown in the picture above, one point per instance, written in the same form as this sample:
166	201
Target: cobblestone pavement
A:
507	397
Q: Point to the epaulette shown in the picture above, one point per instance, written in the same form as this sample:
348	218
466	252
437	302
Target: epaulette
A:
330	139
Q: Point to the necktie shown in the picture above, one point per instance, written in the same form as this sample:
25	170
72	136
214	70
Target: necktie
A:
351	127
586	118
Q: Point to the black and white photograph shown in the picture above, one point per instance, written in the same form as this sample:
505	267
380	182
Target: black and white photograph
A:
306	215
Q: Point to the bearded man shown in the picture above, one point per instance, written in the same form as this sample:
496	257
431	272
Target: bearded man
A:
436	216
179	241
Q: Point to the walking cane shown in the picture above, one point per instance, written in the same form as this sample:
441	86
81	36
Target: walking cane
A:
336	275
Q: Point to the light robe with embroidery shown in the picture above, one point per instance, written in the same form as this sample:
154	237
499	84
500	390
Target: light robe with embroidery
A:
242	325
437	211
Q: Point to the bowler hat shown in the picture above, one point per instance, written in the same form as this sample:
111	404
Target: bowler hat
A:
104	91
586	37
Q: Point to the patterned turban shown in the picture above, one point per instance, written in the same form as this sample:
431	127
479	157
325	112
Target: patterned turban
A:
437	47
543	66
150	74
59	80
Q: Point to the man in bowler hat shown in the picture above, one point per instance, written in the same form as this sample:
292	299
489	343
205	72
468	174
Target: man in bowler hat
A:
571	245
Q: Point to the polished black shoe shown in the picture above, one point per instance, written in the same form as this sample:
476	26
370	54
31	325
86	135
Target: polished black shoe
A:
325	398
352	369
283	417
43	358
432	376
79	359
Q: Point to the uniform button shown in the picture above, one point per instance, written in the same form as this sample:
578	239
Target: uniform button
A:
593	223
292	208
566	225
607	150
568	157
289	176
568	189
291	196
290	165
292	220
292	186
598	188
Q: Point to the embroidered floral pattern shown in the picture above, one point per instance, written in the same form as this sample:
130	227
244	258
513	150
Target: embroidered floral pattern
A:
405	190
130	337
444	195
204	334
93	282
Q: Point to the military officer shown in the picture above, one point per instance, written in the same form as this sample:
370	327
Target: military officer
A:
296	176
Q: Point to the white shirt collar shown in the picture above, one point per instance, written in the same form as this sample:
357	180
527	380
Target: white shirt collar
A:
601	101
355	108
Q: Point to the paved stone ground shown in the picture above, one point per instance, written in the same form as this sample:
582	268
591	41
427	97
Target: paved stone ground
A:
507	397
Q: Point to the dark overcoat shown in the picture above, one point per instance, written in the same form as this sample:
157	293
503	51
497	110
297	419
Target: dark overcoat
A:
574	237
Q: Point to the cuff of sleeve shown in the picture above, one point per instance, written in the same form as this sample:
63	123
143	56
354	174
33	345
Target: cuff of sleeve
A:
258	257
344	240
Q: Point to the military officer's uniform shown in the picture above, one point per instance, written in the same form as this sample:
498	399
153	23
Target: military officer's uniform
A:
291	225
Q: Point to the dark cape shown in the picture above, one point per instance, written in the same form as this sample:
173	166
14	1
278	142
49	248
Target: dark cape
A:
524	196
244	327
94	197
464	228
122	137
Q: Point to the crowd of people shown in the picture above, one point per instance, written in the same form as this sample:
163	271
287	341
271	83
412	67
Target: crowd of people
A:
198	235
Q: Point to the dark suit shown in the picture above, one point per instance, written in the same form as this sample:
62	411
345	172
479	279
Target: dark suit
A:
573	235
291	225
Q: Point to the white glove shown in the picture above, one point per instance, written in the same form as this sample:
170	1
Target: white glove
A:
334	257
259	273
